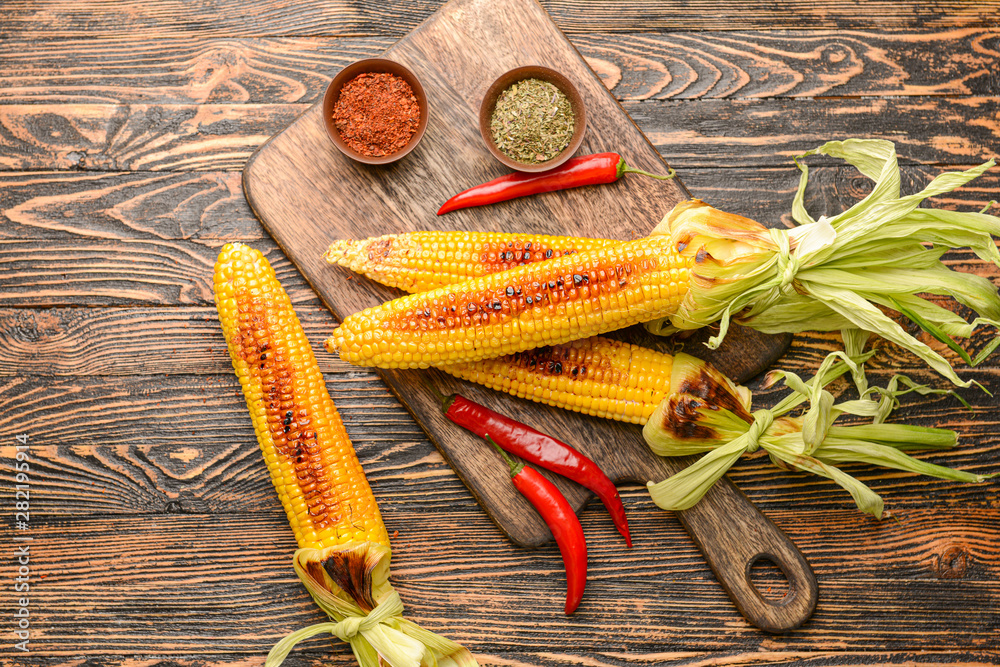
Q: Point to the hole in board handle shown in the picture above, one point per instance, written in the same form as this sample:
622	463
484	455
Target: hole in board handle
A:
769	579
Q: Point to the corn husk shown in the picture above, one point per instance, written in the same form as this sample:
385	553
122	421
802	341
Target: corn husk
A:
350	583
841	273
714	418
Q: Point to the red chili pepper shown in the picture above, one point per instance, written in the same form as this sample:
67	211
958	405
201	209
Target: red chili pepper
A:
561	520
538	448
585	170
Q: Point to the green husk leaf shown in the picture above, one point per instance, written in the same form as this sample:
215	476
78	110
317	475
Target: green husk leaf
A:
947	321
900	436
866	316
797	313
685	424
684	489
930	327
842	451
986	352
889	395
378	636
834	365
829	274
854	346
818	420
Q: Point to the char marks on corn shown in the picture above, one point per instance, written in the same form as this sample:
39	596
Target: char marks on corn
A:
707	386
310	458
595	376
288	422
480	308
682	421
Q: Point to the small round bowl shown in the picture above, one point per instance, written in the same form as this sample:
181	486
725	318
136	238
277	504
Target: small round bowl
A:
380	65
544	74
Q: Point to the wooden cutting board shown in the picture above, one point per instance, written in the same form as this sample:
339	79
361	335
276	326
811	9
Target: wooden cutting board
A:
307	194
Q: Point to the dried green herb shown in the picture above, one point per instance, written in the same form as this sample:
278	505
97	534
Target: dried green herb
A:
532	121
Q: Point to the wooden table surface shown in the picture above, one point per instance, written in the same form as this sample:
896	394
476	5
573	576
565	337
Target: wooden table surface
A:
156	536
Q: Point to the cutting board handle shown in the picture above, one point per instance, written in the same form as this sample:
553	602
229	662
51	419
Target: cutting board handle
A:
734	535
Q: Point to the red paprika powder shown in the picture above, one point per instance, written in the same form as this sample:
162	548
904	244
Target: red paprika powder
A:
376	113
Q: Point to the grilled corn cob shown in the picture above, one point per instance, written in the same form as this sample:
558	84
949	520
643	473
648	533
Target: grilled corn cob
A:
421	261
344	552
548	303
723	429
596	376
700	266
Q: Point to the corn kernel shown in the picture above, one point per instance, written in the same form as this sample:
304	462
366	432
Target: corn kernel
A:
309	457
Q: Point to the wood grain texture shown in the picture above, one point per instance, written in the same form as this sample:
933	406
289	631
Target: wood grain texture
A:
676	607
91	430
209	207
794	63
696	133
108	273
177	70
75	341
609	658
202	206
157	528
136	137
769	133
227	18
456	53
634	66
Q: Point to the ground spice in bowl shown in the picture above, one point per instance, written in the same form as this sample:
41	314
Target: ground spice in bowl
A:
532	121
376	113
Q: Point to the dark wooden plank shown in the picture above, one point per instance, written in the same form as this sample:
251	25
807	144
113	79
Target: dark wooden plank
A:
101	137
770	132
230	18
766	657
690	133
146	340
100	272
794	63
210	206
116	445
176	70
223	584
634	66
202	206
608	658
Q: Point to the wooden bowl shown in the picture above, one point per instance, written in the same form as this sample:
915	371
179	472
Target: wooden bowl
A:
544	74
380	65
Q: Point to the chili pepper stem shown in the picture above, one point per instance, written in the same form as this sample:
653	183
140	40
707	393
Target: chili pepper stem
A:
623	169
594	169
559	516
541	449
515	466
